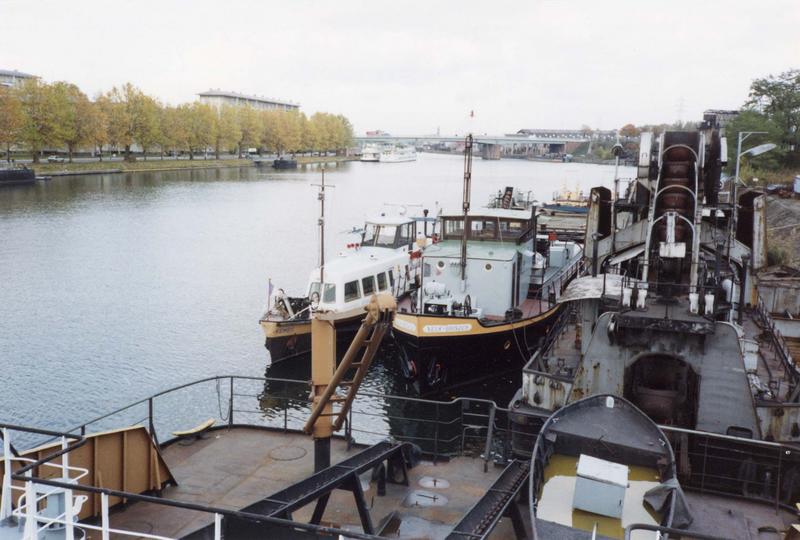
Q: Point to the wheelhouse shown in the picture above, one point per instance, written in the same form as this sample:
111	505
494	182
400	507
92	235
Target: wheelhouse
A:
489	225
390	232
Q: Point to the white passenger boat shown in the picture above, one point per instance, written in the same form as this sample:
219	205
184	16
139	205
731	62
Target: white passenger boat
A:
380	263
384	259
371	153
398	154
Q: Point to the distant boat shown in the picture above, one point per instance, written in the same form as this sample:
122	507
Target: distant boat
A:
371	153
13	176
398	154
283	163
568	202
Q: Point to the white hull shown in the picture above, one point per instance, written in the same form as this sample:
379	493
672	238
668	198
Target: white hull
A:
372	158
398	157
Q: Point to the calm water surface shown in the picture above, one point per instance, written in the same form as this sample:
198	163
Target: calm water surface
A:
115	287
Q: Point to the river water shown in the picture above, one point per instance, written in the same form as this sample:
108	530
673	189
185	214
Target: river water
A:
113	287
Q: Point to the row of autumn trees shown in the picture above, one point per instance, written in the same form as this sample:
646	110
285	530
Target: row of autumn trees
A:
39	116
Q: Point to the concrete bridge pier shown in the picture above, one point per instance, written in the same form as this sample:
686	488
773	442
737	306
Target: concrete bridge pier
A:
490	151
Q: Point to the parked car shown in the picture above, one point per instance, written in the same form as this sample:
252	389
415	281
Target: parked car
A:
55	159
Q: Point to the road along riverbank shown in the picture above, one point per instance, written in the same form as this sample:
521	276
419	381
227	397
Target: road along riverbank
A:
159	165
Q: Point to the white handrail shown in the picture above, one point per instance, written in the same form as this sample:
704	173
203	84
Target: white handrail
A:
5	496
32	519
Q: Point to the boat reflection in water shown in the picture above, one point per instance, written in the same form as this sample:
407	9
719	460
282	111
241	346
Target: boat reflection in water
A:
385	406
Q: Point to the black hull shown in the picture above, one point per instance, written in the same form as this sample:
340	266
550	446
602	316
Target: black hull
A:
284	164
16	177
433	363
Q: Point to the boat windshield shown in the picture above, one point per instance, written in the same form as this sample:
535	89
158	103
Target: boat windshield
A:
313	292
328	294
380	236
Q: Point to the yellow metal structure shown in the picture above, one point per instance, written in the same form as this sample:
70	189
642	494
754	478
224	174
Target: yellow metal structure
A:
324	419
124	459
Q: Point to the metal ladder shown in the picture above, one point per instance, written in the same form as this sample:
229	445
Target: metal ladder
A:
368	339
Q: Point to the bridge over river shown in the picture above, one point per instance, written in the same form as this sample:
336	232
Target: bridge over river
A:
493	146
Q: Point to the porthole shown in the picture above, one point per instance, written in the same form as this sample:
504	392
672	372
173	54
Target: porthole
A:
440	264
488	267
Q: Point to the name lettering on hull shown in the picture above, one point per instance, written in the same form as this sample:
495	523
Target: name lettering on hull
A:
446	328
405	325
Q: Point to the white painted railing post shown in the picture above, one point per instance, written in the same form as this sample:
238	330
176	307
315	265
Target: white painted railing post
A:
5	497
217	527
31	524
70	527
104	515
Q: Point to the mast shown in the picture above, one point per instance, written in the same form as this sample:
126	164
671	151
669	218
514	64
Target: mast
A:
321	197
465	205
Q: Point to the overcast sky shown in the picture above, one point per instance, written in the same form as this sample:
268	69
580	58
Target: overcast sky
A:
412	67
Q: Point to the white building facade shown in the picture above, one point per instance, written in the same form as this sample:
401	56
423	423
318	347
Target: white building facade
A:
218	98
11	78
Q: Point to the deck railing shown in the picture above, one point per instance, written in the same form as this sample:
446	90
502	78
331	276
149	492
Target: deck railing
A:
442	430
778	344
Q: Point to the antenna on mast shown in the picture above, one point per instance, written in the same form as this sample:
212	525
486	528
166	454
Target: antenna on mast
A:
321	224
465	205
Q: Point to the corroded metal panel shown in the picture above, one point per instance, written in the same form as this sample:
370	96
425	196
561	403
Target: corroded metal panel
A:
780	423
759	233
545	391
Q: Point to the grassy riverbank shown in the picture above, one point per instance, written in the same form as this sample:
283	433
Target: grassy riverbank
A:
139	165
82	167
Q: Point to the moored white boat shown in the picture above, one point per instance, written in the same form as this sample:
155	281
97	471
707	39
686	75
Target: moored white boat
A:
371	153
383	260
398	154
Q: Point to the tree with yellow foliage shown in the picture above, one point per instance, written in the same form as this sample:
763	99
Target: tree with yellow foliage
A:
11	119
228	131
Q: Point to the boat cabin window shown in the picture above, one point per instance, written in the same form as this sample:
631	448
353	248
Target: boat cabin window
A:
382	281
391	236
483	229
380	236
385	236
312	290
407	235
391	278
351	291
329	295
368	284
453	229
512	228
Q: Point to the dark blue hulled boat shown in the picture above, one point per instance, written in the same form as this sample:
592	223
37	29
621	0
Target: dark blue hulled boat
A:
566	208
13	176
283	163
